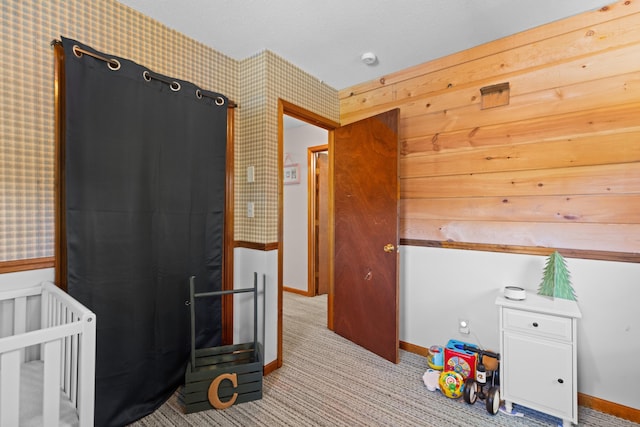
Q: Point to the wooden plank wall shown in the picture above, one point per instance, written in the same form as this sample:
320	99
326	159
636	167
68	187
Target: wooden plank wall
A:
558	167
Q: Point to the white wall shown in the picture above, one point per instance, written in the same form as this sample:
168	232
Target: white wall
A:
30	277
439	286
265	263
295	229
19	279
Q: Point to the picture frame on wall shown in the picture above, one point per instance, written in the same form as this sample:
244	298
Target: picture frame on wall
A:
292	174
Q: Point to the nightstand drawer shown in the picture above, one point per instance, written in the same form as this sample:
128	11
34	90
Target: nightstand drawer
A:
537	323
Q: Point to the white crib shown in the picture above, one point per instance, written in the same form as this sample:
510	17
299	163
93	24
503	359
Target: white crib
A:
58	387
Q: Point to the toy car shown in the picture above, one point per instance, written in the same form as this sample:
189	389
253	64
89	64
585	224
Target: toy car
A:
487	374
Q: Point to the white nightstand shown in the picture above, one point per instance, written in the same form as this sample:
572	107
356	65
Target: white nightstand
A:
538	354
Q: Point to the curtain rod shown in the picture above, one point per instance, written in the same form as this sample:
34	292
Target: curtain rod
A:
114	65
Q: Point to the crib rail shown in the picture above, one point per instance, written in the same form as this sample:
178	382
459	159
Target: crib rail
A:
67	347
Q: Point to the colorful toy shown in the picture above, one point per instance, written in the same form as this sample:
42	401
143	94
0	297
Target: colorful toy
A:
459	360
486	374
435	357
451	384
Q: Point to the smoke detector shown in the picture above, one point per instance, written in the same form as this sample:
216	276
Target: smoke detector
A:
369	58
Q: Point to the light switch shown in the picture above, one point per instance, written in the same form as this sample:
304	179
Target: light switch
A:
251	172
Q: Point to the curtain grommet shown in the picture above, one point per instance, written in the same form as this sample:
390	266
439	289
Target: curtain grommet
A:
198	94
146	75
175	86
76	51
113	64
219	100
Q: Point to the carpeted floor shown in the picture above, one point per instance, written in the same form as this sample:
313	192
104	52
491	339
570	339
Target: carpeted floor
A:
329	381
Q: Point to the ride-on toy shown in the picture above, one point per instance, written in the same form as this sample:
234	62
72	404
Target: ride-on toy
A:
487	374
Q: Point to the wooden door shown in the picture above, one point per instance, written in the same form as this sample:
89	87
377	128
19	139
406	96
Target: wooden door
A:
322	217
366	193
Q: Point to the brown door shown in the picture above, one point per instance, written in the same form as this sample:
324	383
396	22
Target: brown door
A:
322	217
366	192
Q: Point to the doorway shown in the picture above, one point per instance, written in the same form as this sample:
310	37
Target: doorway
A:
318	224
305	194
290	110
378	135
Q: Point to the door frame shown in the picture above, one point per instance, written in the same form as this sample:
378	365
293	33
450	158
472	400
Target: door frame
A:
290	109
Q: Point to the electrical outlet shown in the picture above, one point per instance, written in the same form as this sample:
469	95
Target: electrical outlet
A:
463	326
250	209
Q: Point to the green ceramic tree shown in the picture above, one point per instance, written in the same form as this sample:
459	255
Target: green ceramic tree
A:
556	281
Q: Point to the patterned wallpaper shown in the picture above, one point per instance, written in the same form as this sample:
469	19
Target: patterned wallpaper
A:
265	78
27	116
287	82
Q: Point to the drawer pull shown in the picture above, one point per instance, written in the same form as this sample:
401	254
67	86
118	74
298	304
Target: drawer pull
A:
560	380
535	324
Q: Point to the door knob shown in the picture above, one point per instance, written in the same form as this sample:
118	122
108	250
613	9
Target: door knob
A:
389	248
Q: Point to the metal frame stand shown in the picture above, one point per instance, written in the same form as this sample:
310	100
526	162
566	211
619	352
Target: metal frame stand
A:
219	377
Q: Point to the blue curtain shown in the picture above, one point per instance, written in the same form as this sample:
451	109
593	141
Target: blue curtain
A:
144	186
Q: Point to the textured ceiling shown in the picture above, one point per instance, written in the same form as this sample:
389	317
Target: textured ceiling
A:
326	38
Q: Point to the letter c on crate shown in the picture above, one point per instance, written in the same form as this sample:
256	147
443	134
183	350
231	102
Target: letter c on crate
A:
214	399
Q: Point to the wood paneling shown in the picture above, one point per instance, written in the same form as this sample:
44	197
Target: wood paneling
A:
586	150
612	408
562	209
558	167
26	264
609	179
583	124
612	238
591	95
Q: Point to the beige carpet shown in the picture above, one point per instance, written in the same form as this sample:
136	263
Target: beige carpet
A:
328	381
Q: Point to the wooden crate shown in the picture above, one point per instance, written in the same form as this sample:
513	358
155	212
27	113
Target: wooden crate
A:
211	384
